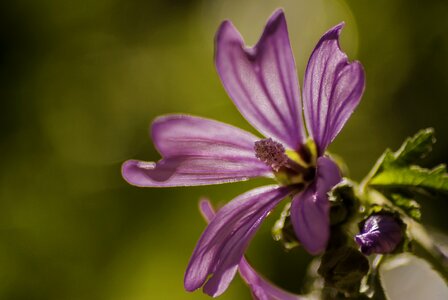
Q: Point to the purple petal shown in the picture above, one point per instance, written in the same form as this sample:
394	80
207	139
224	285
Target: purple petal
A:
196	151
184	135
332	89
310	209
261	288
262	80
190	171
222	245
206	209
381	233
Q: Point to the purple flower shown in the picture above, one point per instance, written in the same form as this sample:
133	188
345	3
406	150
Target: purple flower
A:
380	233
263	84
261	288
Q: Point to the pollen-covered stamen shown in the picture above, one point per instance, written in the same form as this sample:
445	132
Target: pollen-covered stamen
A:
271	153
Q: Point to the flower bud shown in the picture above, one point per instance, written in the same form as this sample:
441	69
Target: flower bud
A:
343	269
381	233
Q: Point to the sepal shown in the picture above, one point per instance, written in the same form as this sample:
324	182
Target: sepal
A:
283	232
343	202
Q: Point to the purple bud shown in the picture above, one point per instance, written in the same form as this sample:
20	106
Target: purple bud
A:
380	233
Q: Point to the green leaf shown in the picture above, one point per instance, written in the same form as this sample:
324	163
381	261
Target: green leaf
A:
411	152
413	176
415	148
398	169
409	206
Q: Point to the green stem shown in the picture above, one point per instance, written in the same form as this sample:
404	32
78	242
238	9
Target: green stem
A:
374	286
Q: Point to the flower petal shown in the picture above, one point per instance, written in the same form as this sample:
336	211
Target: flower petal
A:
222	245
207	210
262	80
310	209
184	135
332	89
196	151
381	233
190	171
261	288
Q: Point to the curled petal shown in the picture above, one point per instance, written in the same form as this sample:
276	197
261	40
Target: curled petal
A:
261	288
196	151
310	209
381	233
332	89
222	245
262	80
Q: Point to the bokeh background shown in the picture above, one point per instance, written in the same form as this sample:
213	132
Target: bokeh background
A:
80	82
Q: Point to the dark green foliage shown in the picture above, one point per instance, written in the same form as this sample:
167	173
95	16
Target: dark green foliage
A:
415	148
283	232
343	269
343	201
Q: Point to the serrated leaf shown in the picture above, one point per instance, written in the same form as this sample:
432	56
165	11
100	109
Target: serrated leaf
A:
412	176
411	152
397	169
415	148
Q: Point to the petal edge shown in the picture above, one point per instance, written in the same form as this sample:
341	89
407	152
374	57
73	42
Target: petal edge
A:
222	245
332	89
262	80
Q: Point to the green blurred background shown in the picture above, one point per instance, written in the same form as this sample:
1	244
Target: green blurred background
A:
81	82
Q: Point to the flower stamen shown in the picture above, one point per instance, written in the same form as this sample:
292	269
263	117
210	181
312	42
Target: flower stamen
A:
272	153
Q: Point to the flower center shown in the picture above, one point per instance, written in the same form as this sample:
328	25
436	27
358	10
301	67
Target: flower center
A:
271	153
290	167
